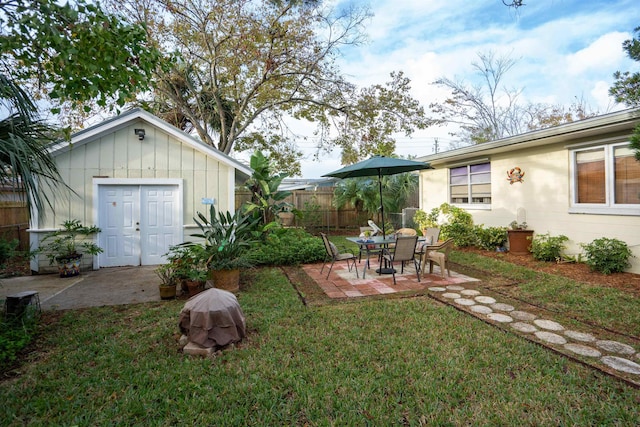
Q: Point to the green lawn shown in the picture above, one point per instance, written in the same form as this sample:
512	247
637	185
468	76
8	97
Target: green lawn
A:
397	361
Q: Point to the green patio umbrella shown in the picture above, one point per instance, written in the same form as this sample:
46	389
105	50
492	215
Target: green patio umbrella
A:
378	166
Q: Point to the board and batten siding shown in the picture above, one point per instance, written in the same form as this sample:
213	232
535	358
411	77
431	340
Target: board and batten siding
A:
544	195
122	155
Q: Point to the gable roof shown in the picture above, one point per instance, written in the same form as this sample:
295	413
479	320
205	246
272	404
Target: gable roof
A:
123	120
594	127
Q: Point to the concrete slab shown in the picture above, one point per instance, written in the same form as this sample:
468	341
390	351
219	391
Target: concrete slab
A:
106	286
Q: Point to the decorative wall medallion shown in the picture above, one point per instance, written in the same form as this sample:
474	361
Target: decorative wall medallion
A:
515	175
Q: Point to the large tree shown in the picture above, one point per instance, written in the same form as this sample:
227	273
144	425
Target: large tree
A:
74	51
71	54
239	69
489	111
626	88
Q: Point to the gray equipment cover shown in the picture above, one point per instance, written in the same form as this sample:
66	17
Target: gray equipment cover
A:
213	318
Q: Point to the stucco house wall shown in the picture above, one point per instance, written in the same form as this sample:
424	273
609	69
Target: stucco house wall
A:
111	154
544	198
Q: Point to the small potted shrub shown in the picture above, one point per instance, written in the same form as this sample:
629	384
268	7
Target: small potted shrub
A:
67	246
168	281
519	238
188	264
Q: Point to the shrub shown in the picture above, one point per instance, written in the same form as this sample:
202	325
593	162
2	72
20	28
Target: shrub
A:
290	246
490	238
607	255
7	250
458	225
15	334
548	248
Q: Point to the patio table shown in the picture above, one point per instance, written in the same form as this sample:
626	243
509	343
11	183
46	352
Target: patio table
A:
375	243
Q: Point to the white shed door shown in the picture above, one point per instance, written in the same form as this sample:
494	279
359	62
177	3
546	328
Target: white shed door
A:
139	223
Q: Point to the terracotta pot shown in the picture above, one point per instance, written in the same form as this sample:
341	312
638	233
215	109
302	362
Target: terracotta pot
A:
519	241
229	280
69	266
194	287
167	291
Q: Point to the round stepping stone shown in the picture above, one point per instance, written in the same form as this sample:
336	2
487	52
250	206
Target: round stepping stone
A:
583	350
455	288
481	309
499	317
548	324
580	336
451	295
502	307
615	347
437	289
522	315
485	300
527	328
464	301
550	337
620	364
470	292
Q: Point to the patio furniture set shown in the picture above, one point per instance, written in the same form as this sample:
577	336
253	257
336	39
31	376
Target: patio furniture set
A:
392	251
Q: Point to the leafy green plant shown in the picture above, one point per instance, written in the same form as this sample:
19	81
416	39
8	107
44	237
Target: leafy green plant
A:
311	215
226	238
458	224
548	248
16	334
70	242
607	255
7	250
491	238
515	225
166	274
422	220
187	260
266	201
291	247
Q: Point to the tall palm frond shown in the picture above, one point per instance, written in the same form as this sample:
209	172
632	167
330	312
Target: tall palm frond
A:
24	160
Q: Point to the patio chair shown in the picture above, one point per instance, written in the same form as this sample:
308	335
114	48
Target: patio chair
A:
438	254
431	236
334	254
405	250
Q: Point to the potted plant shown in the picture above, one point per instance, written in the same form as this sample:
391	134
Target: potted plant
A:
67	245
168	281
226	239
188	263
519	238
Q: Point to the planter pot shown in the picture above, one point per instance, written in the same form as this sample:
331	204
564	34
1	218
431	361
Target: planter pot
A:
519	241
229	280
69	266
286	218
167	291
194	287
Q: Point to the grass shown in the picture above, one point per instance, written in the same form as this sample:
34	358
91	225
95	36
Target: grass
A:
399	361
601	306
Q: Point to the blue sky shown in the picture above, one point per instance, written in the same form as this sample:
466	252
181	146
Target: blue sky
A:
565	49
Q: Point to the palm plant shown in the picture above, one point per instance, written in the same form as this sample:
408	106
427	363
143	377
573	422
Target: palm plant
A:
363	193
24	160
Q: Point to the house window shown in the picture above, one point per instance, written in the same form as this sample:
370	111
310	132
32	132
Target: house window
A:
470	184
606	179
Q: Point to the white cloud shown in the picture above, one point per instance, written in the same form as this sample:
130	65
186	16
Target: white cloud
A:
566	50
605	52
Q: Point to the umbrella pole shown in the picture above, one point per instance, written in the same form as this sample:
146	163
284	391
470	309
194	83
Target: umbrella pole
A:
384	233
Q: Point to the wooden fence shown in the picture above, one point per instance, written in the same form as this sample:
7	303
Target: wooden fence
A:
320	213
14	222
